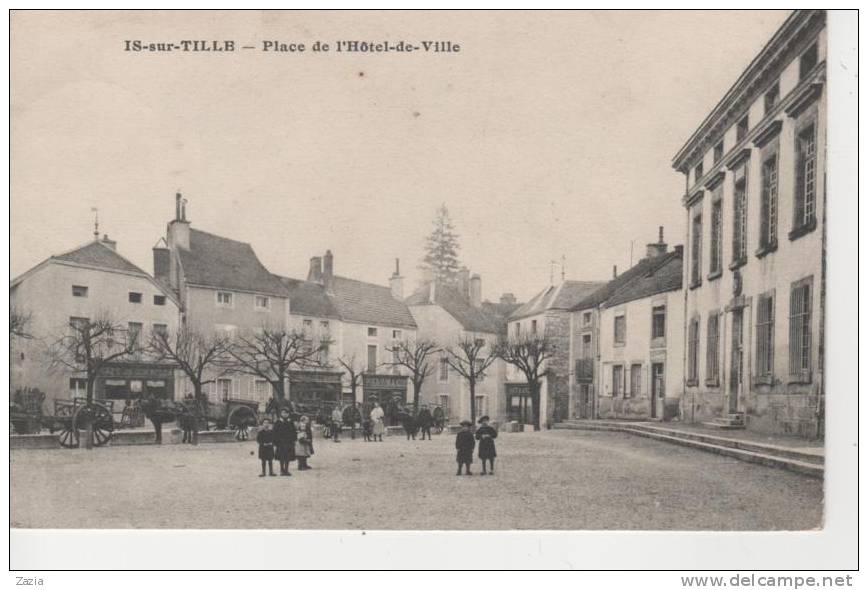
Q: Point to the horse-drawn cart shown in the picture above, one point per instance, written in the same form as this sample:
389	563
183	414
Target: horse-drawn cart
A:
75	415
232	413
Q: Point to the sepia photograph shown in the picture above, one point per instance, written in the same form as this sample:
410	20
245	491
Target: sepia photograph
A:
419	271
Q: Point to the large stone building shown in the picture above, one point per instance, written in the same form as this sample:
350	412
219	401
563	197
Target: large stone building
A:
448	314
548	312
755	206
91	282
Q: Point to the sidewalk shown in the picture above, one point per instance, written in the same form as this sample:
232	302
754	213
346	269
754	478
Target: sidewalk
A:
778	440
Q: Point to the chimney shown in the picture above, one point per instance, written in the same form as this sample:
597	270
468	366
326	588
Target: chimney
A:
679	251
328	265
615	271
464	282
396	282
507	299
315	272
476	290
161	261
110	243
658	249
178	231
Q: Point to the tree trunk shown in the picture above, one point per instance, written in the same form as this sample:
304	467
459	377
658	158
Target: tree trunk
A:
472	404
417	391
88	429
197	393
534	400
279	390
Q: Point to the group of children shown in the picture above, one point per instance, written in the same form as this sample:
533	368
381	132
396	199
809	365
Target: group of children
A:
287	440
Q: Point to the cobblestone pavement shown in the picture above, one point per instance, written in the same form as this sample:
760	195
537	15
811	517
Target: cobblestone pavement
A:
545	480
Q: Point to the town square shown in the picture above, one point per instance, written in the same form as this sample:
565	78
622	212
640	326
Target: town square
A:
362	294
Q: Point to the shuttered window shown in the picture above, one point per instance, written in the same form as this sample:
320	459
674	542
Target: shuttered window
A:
620	329
800	329
696	250
693	351
739	219
712	352
769	205
617	381
716	257
635	380
806	178
765	336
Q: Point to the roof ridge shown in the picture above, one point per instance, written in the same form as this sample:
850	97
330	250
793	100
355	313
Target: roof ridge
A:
213	235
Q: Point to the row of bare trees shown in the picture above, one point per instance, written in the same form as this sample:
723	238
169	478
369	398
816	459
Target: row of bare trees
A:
271	353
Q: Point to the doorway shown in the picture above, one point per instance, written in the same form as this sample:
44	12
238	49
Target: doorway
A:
736	360
657	386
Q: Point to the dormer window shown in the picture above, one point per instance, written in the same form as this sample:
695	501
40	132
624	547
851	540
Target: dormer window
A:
224	299
261	303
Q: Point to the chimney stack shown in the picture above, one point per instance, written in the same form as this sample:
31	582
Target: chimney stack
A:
615	271
464	282
110	243
658	249
396	282
476	290
328	265
315	272
507	299
178	231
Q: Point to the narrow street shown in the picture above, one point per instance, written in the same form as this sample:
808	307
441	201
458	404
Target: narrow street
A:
574	480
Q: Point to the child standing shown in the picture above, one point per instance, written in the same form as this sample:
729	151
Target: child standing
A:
304	445
265	439
465	443
486	435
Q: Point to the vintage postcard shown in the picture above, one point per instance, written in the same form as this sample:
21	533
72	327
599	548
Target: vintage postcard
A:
419	271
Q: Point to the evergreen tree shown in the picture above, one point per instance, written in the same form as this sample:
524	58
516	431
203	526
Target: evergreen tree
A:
441	248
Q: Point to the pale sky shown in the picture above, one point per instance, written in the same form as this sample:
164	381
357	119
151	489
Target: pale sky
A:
548	134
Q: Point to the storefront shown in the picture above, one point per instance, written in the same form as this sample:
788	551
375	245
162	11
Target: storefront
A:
519	403
389	390
314	386
129	381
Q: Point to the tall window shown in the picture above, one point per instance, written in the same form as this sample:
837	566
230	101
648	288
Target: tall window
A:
372	358
517	329
617	381
806	177
444	369
586	318
697	172
769	205
800	329
134	331
260	390
718	152
693	352
712	355
480	374
741	128
739	219
224	388
620	329
161	330
533	326
696	249
635	380
658	322
772	97
716	258
807	61
765	336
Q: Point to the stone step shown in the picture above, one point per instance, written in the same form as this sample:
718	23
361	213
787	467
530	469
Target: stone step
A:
771	455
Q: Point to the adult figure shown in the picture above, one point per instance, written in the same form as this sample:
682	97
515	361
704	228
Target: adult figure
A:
424	421
409	424
377	422
285	436
353	418
337	421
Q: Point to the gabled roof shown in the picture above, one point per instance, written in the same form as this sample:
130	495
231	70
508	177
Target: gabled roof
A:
221	263
367	303
472	319
308	298
564	296
660	278
601	295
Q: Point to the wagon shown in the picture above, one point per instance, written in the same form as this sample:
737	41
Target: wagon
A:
25	411
232	413
72	416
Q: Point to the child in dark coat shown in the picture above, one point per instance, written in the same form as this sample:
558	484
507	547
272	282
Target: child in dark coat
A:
465	443
265	439
486	435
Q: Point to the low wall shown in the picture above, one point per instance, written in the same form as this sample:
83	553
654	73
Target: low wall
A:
121	438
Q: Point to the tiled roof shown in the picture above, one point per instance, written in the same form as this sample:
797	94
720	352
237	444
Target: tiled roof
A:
214	261
473	319
660	278
500	312
601	295
99	255
308	298
357	301
563	296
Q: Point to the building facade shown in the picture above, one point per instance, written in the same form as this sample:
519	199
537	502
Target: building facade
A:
90	282
755	210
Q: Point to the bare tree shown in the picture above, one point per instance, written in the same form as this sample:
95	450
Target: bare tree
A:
529	354
19	323
89	346
354	372
271	353
468	360
413	356
200	356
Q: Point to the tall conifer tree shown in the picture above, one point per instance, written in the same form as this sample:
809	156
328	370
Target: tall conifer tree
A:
441	248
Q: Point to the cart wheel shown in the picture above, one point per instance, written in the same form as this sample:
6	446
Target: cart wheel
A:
68	437
240	420
100	417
